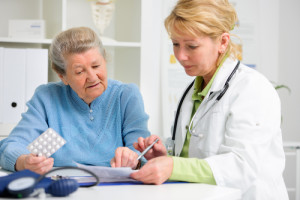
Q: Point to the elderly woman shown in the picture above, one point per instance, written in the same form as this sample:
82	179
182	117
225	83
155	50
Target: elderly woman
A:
94	115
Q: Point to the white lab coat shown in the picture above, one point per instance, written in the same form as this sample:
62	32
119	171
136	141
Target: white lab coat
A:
240	137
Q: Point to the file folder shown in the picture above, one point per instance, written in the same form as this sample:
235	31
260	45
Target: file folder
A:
1	84
13	84
21	72
36	70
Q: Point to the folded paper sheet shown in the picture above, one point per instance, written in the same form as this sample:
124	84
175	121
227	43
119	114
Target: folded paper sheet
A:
106	174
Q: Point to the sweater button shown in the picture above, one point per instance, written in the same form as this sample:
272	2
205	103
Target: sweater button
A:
91	111
91	118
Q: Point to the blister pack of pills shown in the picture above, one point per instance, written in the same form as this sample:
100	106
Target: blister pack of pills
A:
47	143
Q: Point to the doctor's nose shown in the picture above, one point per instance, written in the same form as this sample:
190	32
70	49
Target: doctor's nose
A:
181	55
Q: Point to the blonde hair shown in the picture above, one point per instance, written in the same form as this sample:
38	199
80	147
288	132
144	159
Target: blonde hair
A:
211	18
71	41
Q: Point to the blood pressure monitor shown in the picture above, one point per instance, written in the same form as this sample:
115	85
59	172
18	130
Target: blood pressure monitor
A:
21	187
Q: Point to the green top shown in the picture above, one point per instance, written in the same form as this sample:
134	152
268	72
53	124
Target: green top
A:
194	169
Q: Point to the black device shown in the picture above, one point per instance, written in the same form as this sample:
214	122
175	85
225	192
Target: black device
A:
22	187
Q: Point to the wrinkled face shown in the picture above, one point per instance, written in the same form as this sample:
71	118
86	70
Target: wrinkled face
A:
198	55
86	74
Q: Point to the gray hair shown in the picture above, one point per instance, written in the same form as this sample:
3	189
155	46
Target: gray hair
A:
72	41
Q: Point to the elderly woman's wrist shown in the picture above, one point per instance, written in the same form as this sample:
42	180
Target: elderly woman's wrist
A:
19	165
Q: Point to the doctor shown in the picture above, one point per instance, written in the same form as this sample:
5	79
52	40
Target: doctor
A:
227	131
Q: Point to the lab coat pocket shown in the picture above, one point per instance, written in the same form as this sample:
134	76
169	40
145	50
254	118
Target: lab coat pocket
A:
210	134
215	133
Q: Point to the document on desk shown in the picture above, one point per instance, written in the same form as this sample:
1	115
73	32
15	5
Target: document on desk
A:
106	174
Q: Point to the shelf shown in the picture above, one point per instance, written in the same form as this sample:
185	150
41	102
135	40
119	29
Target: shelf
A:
29	41
114	43
131	39
106	42
291	144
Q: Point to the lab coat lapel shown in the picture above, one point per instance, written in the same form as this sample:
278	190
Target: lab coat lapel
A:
215	89
222	75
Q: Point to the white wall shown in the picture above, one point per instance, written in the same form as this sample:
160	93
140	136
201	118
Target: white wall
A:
289	71
289	67
268	38
279	50
279	30
150	68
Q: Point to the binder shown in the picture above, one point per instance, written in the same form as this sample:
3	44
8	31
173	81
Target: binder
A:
36	70
13	84
1	84
21	72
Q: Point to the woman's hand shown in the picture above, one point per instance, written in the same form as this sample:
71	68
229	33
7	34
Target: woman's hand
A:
157	150
124	157
34	163
155	171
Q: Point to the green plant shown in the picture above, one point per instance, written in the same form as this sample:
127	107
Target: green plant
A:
277	87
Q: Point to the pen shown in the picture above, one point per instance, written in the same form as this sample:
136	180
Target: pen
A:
147	149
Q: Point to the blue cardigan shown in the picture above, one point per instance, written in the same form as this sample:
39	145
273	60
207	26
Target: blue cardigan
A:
114	119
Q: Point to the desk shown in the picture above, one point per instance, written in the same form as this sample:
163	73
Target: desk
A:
153	192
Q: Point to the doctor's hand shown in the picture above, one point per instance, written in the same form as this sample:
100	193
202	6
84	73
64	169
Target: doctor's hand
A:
37	164
155	171
157	150
124	157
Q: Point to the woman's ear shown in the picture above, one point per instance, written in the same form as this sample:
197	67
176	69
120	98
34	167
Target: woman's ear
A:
224	41
62	78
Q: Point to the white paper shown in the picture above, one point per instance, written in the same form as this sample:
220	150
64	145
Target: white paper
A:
107	174
3	173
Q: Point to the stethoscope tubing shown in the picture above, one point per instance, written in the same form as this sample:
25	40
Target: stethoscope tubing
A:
219	97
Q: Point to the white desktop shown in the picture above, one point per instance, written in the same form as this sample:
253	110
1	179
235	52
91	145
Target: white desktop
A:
151	192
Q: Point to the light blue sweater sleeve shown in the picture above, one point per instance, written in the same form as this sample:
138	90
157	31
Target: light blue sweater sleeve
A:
32	124
114	119
134	118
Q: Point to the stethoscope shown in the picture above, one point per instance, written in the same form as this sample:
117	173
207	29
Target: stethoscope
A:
191	127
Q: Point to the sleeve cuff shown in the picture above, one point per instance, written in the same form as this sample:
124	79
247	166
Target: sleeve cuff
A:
192	170
11	158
